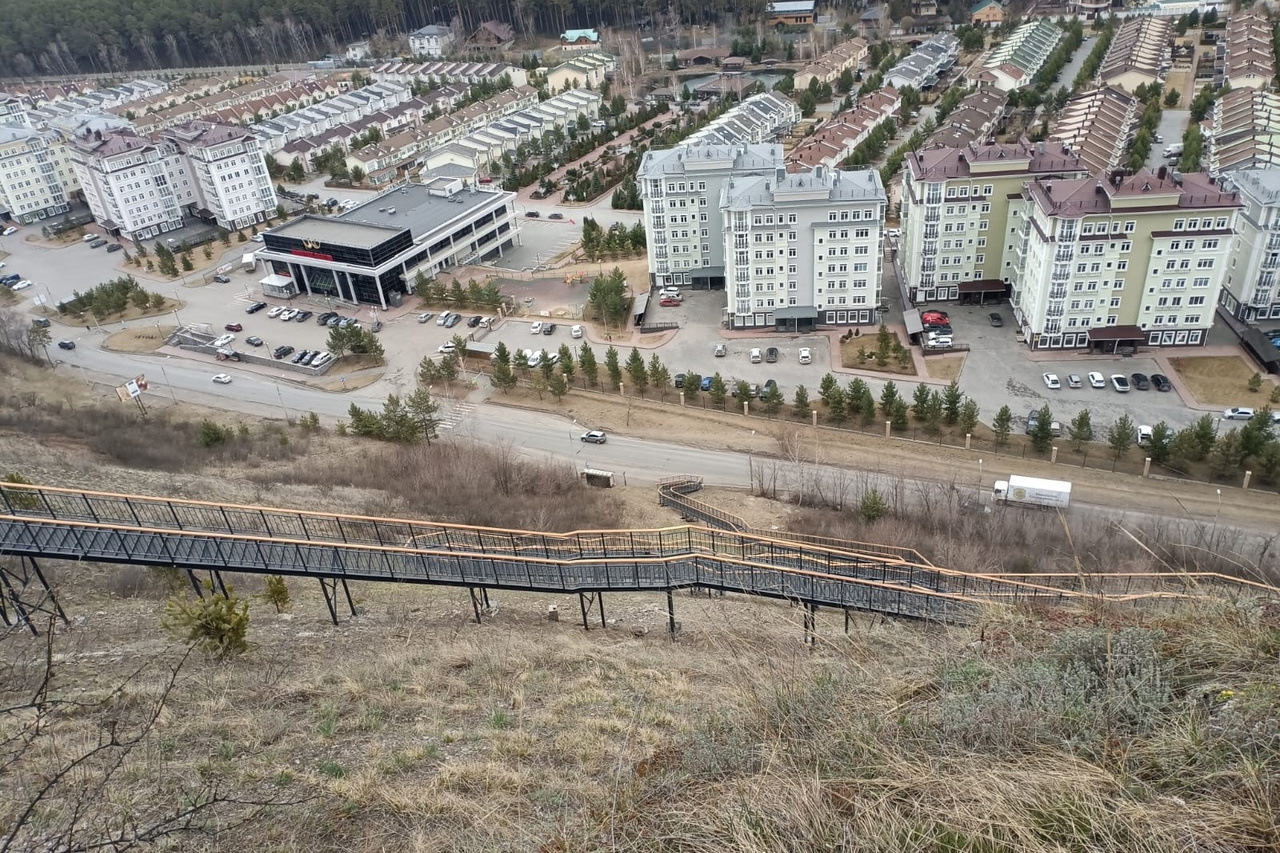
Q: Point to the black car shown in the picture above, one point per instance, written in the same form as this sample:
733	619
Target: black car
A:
41	322
679	380
532	214
556	216
474	321
548	328
114	247
995	318
311	356
769	386
98	244
253	341
281	352
771	355
255	308
324	318
66	344
1140	381
219	278
297	359
1161	382
303	316
11	278
936	327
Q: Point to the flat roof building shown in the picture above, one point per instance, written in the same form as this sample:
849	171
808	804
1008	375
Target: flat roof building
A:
373	253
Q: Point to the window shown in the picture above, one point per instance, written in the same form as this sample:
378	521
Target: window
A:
982	225
1122	265
1130	227
1177	224
1191	319
1204	264
1209	245
1202	281
980	259
1115	302
986	189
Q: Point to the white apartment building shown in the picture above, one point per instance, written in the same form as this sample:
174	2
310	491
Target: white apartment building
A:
126	183
230	184
1250	291
791	250
35	171
138	187
1106	265
681	188
806	248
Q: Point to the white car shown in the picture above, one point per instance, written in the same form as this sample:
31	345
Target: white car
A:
321	359
1145	434
443	318
89	238
425	316
535	329
943	342
10	231
806	356
222	378
892	233
22	285
288	314
1097	380
669	292
533	359
276	311
257	238
1051	381
224	340
575	332
1120	382
1237	413
448	346
1073	380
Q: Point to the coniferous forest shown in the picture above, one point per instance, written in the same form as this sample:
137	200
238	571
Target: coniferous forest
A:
61	37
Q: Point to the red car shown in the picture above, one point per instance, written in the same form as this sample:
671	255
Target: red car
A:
234	327
932	319
670	303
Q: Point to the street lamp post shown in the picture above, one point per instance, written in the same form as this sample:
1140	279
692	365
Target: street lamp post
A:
1218	514
283	408
980	481
165	374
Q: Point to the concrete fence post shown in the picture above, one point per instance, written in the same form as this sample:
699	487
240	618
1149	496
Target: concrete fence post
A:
1053	456
1146	467
1248	475
888	429
968	441
814	413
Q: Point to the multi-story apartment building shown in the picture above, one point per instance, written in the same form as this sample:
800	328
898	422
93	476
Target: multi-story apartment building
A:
126	183
805	248
33	174
229	181
138	187
1251	288
955	203
1106	264
791	250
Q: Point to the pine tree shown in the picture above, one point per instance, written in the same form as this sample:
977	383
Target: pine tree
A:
637	372
800	403
952	400
1002	426
1081	430
587	363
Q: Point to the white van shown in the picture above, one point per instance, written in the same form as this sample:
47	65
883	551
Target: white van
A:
756	357
443	318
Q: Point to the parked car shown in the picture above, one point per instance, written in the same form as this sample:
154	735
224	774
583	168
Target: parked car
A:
995	319
1140	381
424	316
721	350
253	341
66	344
595	436
532	214
474	321
324	318
556	216
454	319
335	321
668	302
575	332
756	357
219	278
22	285
276	311
1097	380
1120	382
89	238
1145	434
705	385
281	352
1073	380
678	381
233	327
115	247
1051	381
9	232
1237	413
939	342
297	359
222	378
770	385
288	314
443	318
303	316
41	322
447	347
1161	382
223	340
771	355
548	328
671	291
536	328
98	244
806	356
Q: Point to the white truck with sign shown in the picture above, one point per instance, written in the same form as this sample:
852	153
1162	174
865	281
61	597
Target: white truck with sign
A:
1033	491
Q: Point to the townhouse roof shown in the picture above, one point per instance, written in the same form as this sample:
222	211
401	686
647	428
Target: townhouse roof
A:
1246	130
1140	45
1096	125
1026	49
1247	46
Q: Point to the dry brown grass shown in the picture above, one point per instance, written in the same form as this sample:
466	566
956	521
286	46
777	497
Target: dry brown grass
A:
1220	380
849	357
142	339
944	368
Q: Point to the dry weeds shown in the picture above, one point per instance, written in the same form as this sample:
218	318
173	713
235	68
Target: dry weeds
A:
1219	380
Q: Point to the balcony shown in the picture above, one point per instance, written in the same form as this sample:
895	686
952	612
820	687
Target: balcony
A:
1271	262
932	216
1063	256
931	232
1054	312
1058	293
929	266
